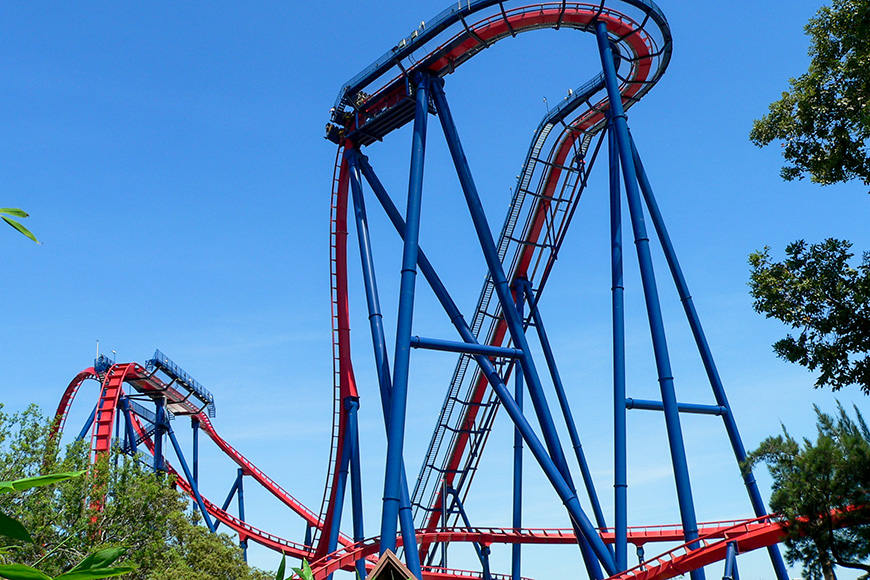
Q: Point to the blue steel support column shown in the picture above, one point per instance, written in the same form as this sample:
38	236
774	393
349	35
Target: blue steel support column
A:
706	354
398	396
376	319
194	424
482	550
159	430
340	485
566	408
620	471
592	543
379	341
356	480
517	522
500	283
730	557
233	489
88	423
128	431
189	477
444	521
515	325
243	544
660	348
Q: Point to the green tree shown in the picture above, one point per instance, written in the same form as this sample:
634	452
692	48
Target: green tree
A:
823	121
816	291
137	509
822	489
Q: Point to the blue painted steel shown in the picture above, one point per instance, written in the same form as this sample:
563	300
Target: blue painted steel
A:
162	362
401	359
160	425
194	424
340	485
566	408
243	544
706	354
517	515
102	363
444	521
453	346
481	550
500	283
730	561
308	538
691	408
88	423
230	495
569	497
379	341
484	555
617	290
663	366
434	26
378	338
514	323
356	480
189	476
349	466
129	433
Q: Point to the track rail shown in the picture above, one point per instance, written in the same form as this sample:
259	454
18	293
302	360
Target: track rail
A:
136	376
547	191
371	105
749	534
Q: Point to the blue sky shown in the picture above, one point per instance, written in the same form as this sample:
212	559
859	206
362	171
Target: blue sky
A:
173	162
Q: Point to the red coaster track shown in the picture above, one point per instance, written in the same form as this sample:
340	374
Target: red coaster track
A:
551	183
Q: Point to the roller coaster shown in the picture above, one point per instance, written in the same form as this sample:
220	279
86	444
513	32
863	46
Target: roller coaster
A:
406	86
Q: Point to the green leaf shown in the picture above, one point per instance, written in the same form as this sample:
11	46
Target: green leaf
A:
281	567
305	571
99	559
38	481
95	573
12	528
14	211
20	228
21	572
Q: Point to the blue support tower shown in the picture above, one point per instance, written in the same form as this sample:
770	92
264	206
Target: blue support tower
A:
517	516
660	348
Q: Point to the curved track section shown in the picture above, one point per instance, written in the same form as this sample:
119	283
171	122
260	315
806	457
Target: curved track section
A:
564	148
136	375
748	534
547	191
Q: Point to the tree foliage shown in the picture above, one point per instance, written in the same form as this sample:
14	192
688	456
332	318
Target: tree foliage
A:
824	119
817	292
120	502
823	490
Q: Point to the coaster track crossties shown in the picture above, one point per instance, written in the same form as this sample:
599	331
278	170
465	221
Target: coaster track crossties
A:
404	86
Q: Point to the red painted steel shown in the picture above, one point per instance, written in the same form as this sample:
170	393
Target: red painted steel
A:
749	534
101	440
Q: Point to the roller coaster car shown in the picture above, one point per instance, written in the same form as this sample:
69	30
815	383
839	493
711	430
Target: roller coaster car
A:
334	133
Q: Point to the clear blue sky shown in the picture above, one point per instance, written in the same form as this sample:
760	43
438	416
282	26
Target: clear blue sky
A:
173	162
